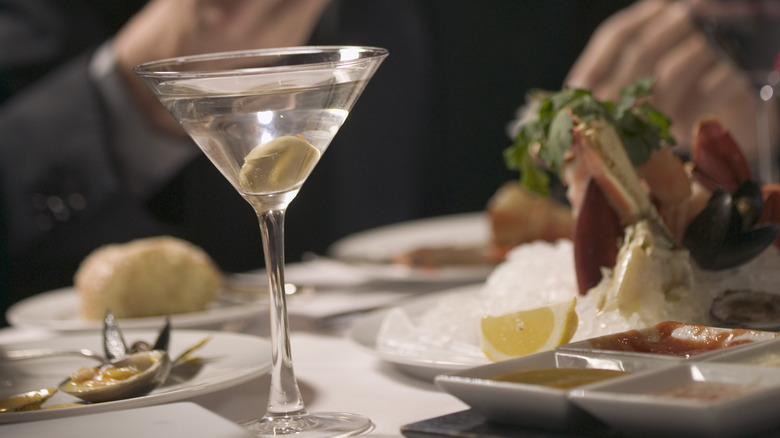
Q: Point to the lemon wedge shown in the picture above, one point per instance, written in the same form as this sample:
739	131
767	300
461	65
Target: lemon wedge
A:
528	331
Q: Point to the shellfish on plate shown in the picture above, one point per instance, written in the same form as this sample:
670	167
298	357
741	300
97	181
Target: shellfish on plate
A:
127	372
643	215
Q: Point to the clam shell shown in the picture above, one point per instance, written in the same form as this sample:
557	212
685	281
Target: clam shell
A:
747	309
153	368
28	401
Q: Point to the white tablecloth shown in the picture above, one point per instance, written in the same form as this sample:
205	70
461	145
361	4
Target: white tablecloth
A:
334	373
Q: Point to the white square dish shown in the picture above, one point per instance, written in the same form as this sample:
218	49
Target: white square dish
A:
684	341
757	354
529	404
691	400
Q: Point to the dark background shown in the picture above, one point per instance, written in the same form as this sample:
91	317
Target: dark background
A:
425	139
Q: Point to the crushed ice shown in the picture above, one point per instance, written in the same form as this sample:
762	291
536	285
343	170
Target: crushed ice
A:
534	274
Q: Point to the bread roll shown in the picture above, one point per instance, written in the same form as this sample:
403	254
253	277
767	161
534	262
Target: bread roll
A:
518	216
146	277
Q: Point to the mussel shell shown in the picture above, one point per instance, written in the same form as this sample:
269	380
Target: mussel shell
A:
724	234
747	309
749	202
154	368
164	337
708	230
114	345
139	346
741	248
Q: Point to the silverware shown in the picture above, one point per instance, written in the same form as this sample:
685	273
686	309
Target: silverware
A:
251	286
346	318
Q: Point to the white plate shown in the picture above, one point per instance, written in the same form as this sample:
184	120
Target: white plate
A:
365	331
58	310
375	249
231	359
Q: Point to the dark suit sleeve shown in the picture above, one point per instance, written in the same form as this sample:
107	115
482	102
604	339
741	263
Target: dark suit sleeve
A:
60	188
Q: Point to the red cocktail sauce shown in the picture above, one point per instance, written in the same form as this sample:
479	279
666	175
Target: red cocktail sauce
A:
659	340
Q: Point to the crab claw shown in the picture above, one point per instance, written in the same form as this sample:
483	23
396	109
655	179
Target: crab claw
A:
614	197
770	212
596	236
599	148
718	160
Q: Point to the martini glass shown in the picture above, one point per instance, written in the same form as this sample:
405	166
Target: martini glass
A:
264	118
747	33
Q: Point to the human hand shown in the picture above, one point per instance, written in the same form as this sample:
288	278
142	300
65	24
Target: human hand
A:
169	28
658	37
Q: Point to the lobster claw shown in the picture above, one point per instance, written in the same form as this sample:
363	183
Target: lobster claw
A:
717	158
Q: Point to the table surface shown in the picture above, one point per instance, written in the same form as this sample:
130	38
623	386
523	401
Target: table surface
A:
334	373
337	375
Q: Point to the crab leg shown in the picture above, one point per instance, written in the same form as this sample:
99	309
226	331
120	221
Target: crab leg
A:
597	233
600	151
615	197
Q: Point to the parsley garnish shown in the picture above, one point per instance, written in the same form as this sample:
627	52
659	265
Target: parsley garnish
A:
543	140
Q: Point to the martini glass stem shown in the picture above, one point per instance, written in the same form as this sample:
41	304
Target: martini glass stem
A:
284	400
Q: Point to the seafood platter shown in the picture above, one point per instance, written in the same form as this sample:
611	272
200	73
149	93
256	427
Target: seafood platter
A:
665	253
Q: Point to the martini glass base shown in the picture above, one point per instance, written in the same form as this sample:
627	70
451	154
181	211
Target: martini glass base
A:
311	425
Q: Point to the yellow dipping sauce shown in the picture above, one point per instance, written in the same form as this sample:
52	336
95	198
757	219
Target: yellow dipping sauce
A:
563	378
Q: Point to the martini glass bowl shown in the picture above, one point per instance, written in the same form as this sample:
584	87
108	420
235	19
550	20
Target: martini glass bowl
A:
747	33
264	118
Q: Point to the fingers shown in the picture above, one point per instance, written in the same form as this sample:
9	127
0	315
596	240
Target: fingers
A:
726	94
629	45
252	24
649	46
285	23
607	44
679	74
659	38
170	28
692	83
